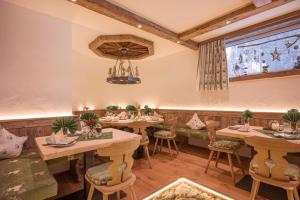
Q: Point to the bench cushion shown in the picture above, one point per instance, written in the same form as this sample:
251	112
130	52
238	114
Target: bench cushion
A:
26	177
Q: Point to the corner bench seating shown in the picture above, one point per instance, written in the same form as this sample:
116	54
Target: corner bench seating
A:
185	131
26	178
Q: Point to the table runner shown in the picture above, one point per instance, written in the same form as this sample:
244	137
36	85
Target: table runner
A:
271	133
105	135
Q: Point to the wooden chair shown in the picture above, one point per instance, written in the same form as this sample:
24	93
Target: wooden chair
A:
116	175
167	135
222	146
139	127
269	165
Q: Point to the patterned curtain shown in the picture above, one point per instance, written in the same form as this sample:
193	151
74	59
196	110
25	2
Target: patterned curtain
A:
212	71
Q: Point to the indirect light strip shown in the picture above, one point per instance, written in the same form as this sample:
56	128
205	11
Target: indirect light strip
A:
34	116
184	180
222	109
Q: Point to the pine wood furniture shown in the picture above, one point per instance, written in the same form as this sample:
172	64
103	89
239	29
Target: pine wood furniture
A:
117	173
86	147
270	166
168	135
139	127
222	146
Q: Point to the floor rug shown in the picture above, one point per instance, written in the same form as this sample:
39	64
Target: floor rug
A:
183	189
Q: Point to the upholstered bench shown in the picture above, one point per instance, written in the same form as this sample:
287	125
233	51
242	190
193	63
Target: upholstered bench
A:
26	177
185	131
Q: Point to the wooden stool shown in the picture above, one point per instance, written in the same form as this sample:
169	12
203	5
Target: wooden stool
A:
222	146
169	136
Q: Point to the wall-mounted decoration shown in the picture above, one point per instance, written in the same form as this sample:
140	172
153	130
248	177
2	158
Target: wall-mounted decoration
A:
123	48
275	55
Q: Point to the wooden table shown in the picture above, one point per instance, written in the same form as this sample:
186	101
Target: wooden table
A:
139	126
241	135
86	147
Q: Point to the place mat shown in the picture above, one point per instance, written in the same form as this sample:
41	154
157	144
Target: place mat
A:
271	134
104	135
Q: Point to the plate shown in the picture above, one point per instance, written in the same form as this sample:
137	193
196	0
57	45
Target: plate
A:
287	136
235	127
63	145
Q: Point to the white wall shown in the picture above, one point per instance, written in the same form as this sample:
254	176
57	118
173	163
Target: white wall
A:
35	64
46	68
170	82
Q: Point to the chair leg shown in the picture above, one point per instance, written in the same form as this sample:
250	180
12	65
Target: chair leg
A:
161	144
133	195
231	167
296	195
156	141
176	148
147	155
239	161
209	159
169	147
254	189
91	192
290	194
105	196
118	195
217	160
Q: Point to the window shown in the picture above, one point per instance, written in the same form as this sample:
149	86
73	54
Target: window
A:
272	53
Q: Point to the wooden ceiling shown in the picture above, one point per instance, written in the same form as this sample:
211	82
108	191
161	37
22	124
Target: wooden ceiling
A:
185	38
122	46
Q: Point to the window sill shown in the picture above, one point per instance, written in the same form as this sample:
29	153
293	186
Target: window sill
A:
266	75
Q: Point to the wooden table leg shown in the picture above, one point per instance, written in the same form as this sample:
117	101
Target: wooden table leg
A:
88	162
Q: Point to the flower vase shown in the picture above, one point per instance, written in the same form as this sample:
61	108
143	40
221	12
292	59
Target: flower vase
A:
247	125
293	127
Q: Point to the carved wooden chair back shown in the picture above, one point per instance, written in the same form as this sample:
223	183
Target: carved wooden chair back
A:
269	160
212	126
173	124
121	156
140	127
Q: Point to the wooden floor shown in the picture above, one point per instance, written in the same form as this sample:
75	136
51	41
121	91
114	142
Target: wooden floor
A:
190	163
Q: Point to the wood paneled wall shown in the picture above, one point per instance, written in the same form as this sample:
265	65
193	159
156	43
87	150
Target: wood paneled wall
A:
29	127
225	117
42	126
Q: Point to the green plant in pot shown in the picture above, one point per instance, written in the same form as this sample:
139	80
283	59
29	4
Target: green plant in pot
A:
90	119
292	116
131	109
147	110
65	124
247	115
112	109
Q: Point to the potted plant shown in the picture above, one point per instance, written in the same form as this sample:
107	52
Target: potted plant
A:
147	110
89	119
131	109
66	124
111	110
247	115
292	116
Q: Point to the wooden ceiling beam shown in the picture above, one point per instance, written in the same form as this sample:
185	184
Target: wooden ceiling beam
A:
113	11
237	15
255	27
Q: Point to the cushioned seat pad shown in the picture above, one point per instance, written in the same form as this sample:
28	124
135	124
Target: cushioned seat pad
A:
226	144
293	171
162	133
99	174
26	177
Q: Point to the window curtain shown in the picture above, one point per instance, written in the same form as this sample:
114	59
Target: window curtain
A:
212	71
